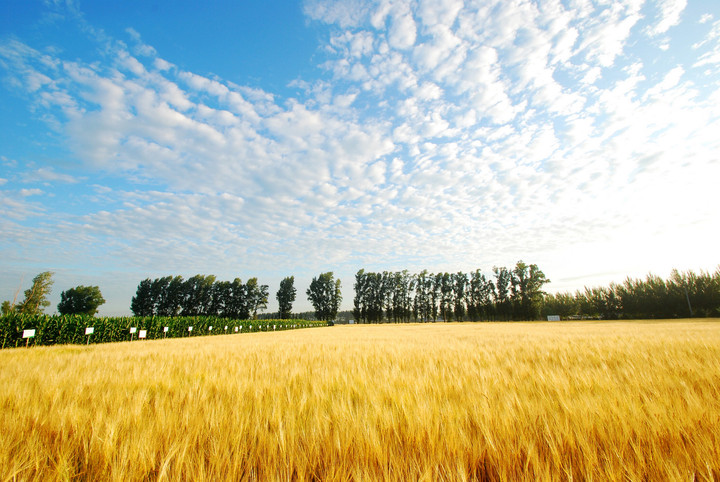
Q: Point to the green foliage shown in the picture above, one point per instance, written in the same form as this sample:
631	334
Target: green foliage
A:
35	298
142	303
80	300
7	308
199	296
286	296
325	296
527	282
682	295
70	329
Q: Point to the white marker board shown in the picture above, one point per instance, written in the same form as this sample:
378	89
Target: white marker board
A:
28	333
142	334
133	329
89	330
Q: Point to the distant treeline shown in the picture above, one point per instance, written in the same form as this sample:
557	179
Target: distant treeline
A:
200	295
514	294
682	295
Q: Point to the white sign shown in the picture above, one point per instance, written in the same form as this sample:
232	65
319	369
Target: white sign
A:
89	330
351	322
236	329
225	327
28	333
210	329
142	334
165	329
553	317
133	329
274	326
189	328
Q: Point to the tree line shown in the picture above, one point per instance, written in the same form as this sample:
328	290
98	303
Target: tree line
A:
203	295
200	295
81	300
402	297
682	295
506	294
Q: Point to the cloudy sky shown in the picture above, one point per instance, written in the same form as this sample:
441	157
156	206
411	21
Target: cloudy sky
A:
273	138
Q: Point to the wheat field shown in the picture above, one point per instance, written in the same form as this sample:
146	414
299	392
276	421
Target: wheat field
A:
475	401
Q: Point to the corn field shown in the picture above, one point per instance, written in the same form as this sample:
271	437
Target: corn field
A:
71	329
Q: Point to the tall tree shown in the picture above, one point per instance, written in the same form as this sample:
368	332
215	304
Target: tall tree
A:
36	297
460	283
503	279
257	296
197	298
324	294
286	296
424	301
527	282
81	300
445	282
360	300
142	304
237	307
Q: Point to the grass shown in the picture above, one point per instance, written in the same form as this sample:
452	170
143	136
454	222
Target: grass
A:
486	401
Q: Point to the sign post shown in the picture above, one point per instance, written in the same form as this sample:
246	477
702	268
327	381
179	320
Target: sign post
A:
27	334
189	330
89	331
142	334
132	332
165	330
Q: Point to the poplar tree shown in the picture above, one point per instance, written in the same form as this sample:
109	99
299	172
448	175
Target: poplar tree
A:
324	294
286	296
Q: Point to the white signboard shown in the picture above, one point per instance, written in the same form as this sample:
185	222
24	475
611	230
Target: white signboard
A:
225	327
189	328
210	329
133	329
28	333
553	317
274	326
142	334
236	329
351	322
89	330
165	329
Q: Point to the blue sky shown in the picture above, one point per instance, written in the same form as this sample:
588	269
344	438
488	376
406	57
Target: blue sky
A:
266	139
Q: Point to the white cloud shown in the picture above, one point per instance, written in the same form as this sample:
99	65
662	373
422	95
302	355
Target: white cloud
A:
48	174
670	11
30	192
402	31
604	36
439	134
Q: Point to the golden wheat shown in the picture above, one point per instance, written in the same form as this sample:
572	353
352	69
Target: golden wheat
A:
485	401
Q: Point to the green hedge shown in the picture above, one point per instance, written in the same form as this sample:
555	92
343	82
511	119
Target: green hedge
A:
68	329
